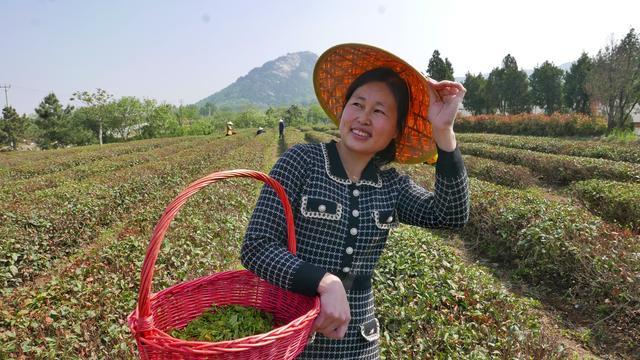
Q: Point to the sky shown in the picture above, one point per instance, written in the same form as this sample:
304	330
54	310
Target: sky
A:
180	52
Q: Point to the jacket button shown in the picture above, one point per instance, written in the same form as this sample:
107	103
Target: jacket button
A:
356	192
355	213
390	219
322	208
349	250
346	269
353	231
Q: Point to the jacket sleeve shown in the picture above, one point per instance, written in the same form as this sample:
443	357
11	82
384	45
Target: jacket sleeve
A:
448	206
264	250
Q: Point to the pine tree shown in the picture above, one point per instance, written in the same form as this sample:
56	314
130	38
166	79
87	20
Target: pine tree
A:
12	126
546	87
439	69
53	122
576	97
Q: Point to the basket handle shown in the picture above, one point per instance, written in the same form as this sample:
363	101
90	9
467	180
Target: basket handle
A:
144	303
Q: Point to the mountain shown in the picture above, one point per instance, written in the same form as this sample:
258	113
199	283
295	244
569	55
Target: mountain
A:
281	82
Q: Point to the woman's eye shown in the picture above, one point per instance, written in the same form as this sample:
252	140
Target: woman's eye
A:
357	104
380	112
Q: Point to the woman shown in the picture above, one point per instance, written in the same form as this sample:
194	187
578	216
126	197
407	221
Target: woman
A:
345	200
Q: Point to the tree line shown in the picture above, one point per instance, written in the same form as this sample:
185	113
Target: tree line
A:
105	119
608	82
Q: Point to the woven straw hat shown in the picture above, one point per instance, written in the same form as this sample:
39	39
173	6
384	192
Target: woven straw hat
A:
339	66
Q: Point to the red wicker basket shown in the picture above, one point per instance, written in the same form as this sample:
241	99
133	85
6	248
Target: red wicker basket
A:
174	307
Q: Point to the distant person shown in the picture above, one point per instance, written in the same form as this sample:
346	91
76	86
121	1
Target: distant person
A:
229	131
260	131
281	129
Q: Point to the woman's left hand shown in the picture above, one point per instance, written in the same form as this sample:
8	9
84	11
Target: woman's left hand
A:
444	99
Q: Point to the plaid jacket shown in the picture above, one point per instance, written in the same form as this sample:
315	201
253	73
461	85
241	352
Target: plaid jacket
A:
341	226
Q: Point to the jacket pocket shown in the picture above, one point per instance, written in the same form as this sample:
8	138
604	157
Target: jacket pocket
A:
386	219
370	330
313	207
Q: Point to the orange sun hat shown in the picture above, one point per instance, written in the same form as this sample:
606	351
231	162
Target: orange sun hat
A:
339	66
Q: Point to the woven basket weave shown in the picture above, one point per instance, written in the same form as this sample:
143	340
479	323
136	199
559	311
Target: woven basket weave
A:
174	307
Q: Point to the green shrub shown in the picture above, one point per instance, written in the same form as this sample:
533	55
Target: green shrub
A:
629	152
514	176
433	305
533	124
614	201
557	169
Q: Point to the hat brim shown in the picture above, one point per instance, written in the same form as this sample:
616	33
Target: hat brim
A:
340	65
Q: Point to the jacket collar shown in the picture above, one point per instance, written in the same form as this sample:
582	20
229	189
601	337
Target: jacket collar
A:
335	170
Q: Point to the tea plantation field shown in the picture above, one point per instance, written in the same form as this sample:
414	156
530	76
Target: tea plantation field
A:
547	268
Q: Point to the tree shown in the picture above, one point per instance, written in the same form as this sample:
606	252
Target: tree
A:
208	109
12	126
160	121
97	101
475	100
53	122
126	116
614	80
546	87
293	116
439	69
508	88
315	115
576	97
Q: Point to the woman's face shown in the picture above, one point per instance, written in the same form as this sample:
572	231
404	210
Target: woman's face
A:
369	119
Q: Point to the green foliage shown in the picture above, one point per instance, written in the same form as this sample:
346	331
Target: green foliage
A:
508	88
623	136
475	100
98	110
439	69
53	122
294	116
614	80
161	122
187	113
223	323
628	152
562	249
556	125
514	176
613	201
208	109
576	97
12	126
433	305
557	169
546	87
315	115
125	116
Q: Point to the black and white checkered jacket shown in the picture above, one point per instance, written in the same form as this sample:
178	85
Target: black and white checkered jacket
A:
342	227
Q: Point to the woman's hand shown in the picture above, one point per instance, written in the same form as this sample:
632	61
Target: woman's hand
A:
444	99
335	314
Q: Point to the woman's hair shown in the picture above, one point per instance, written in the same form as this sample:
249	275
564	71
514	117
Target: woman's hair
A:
400	92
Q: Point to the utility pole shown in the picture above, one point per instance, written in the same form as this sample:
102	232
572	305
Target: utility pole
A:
6	87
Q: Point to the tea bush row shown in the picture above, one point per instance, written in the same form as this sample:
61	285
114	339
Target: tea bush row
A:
584	148
556	125
557	169
612	200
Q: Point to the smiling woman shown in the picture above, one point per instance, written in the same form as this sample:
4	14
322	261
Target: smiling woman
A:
346	199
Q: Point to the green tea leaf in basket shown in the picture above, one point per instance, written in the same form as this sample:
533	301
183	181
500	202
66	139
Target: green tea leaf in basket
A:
223	323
